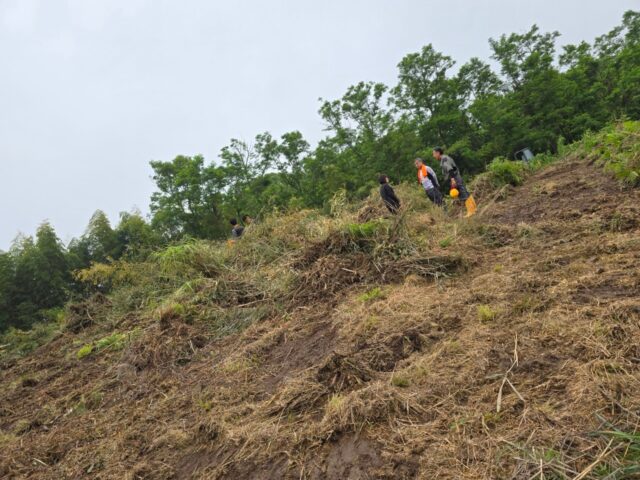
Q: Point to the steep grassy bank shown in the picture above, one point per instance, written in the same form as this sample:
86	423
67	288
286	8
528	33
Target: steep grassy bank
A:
357	345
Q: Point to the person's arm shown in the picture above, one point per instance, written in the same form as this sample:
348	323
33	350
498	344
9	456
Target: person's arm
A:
383	192
392	194
433	179
451	166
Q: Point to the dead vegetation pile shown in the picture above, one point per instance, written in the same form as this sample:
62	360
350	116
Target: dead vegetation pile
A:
357	346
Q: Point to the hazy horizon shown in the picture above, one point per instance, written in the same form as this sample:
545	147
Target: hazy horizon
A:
94	90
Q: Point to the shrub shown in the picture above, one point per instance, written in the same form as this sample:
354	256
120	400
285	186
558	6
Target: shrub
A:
364	230
616	148
16	343
506	172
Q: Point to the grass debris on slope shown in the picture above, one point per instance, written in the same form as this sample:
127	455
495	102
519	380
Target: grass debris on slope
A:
356	345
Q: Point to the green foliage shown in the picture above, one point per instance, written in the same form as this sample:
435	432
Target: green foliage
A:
372	294
84	351
616	148
625	463
445	242
188	198
34	277
92	400
7	272
506	172
501	171
135	237
114	342
100	238
477	113
16	343
365	230
486	313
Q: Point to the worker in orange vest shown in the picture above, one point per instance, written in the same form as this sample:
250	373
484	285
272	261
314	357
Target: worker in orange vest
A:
429	181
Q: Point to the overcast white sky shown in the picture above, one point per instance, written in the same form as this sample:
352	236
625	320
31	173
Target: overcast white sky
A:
91	90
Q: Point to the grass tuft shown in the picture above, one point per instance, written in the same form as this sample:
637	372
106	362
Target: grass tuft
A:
373	294
486	313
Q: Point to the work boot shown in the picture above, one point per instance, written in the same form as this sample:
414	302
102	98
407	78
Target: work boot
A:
470	203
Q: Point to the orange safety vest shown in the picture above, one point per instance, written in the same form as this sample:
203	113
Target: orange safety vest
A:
422	173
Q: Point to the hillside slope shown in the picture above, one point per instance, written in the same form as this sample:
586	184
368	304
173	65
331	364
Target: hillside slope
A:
491	348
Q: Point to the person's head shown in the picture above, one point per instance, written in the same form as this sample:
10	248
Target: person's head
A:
233	221
383	179
246	219
418	162
438	152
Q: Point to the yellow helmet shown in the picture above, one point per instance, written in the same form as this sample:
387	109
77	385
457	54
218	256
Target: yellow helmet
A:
454	193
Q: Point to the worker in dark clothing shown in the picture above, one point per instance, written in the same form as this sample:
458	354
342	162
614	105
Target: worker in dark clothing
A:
389	197
454	179
429	181
237	230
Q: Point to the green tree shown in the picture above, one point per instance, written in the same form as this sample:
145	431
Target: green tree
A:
422	80
53	275
350	157
41	279
7	278
101	239
26	281
240	166
522	56
435	102
292	151
189	198
135	236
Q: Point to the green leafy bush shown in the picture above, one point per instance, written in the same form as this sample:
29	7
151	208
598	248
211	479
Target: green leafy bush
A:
364	230
616	148
507	172
16	343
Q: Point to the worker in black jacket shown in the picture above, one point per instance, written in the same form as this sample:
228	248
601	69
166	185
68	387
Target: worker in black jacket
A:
391	201
454	179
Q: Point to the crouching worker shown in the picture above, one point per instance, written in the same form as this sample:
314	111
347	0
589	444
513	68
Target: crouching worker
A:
452	176
237	230
391	201
429	181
